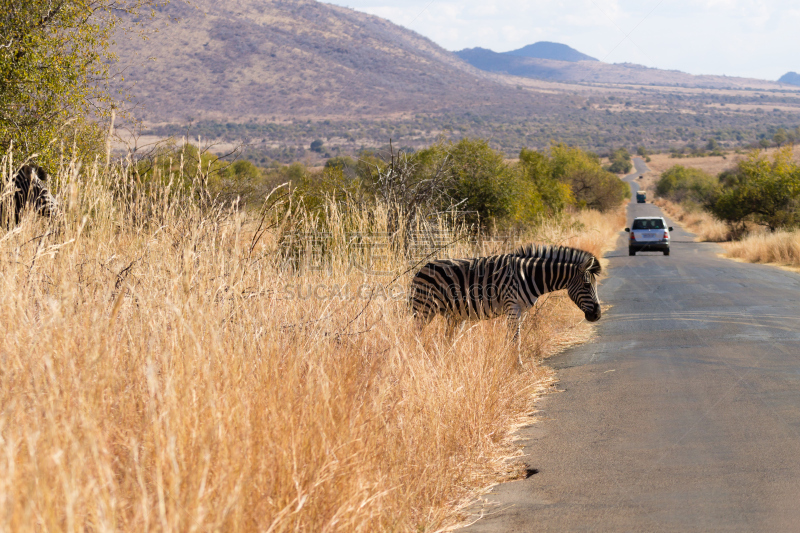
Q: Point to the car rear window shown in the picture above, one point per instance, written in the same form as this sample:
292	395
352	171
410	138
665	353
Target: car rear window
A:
648	223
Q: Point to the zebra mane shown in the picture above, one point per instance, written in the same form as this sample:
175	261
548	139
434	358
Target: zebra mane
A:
563	254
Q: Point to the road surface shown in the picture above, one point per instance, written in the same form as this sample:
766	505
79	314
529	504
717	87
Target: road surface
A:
682	415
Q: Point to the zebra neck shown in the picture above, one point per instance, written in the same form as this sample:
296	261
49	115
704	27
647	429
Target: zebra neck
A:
544	275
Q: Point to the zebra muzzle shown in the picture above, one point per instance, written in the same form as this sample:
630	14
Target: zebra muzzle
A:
594	314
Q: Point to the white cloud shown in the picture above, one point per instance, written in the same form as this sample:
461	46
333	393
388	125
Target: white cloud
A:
755	38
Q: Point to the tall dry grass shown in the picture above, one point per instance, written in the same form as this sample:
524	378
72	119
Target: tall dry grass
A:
700	222
166	367
781	247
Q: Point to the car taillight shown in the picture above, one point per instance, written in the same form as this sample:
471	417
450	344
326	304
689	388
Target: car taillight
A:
666	235
633	238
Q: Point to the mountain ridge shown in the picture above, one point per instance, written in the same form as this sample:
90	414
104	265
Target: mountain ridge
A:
792	78
592	70
551	50
293	58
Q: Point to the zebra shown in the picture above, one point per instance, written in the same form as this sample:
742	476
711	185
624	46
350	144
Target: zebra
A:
488	287
29	189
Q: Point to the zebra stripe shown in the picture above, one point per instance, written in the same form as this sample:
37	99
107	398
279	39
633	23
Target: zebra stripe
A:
488	287
28	188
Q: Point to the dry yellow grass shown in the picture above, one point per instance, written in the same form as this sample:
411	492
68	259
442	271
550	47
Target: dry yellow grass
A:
163	369
701	223
781	248
711	164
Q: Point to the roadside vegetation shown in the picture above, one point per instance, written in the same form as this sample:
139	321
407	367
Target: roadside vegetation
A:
619	161
206	345
172	360
756	204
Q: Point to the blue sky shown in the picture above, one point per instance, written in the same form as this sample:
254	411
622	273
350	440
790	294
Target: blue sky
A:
751	38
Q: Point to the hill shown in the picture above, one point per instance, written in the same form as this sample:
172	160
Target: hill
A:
548	50
792	78
558	62
278	75
259	59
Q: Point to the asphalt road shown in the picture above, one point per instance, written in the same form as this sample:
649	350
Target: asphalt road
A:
682	415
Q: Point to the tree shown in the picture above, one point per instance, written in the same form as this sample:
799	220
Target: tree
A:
620	161
243	170
768	193
780	137
54	60
681	184
480	177
541	191
591	186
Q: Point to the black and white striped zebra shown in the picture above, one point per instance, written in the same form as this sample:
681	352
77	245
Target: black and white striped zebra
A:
28	190
489	287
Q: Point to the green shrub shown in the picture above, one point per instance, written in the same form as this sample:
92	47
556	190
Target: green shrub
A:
681	184
243	169
620	161
469	177
762	191
590	184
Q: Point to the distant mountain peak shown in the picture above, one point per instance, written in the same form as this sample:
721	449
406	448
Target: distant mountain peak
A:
792	78
549	50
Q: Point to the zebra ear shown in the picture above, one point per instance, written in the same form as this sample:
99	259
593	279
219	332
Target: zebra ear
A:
39	172
591	265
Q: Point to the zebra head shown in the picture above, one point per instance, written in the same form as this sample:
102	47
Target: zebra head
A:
582	288
31	190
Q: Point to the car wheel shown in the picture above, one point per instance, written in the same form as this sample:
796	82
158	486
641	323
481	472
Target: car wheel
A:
631	252
666	252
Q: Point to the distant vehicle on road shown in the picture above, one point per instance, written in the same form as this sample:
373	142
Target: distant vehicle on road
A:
648	234
640	177
641	197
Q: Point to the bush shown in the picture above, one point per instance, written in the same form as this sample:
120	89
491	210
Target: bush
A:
241	170
620	161
481	182
680	184
469	178
591	186
542	192
764	192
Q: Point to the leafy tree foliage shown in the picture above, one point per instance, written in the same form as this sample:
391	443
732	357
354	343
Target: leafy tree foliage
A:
763	191
590	185
542	190
681	184
481	181
54	59
620	161
243	170
467	178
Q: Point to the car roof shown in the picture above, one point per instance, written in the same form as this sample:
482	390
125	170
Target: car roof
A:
649	218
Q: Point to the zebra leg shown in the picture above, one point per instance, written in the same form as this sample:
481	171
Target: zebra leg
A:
422	319
515	329
453	323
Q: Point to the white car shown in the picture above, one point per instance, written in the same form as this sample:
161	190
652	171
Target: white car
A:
648	234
